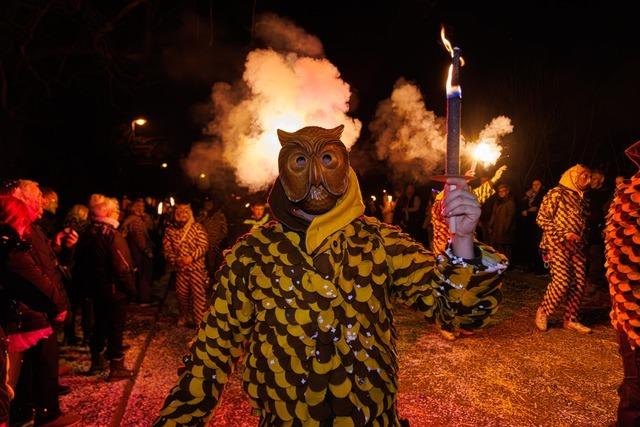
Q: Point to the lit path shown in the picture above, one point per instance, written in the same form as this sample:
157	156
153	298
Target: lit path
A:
506	375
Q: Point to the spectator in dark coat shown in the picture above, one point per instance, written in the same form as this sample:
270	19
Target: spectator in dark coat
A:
502	222
30	300
137	233
215	224
599	197
40	364
532	234
103	269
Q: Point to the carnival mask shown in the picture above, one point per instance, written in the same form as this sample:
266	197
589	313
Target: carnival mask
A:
314	167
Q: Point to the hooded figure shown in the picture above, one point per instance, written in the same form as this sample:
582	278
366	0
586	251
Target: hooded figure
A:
562	217
622	239
309	296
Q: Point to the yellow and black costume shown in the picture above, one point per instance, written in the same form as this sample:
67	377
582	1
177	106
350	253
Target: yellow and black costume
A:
310	303
564	212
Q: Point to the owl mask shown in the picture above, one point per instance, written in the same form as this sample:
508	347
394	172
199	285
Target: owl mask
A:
314	167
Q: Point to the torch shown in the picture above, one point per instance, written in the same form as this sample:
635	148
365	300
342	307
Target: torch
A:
454	104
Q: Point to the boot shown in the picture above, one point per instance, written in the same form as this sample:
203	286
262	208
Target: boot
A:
541	320
98	364
577	326
117	370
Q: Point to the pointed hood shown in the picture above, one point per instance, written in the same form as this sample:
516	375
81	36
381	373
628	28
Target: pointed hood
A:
633	153
348	207
570	176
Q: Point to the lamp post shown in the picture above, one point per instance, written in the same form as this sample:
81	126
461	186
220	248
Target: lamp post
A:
140	121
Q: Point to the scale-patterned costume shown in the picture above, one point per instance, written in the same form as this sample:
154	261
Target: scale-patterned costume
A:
564	210
622	239
312	309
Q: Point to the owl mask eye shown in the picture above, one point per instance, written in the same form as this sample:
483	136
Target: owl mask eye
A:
314	167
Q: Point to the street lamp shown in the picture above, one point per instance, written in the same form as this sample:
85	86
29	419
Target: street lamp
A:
140	121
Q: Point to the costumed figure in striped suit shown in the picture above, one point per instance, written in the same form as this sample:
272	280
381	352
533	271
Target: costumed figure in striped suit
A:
562	217
622	240
185	245
309	297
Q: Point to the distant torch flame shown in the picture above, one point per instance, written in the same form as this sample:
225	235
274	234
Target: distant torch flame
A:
373	198
160	206
487	152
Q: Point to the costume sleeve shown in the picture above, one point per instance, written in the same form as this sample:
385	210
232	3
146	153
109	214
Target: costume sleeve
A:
201	242
219	343
546	217
440	227
483	191
454	292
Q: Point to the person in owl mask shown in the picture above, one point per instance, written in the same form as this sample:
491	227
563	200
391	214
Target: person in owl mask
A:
309	298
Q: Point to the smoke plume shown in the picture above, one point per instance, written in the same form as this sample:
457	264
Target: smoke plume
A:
412	139
408	137
287	88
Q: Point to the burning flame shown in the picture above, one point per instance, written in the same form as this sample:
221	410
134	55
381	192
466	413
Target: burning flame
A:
447	45
487	152
160	206
373	198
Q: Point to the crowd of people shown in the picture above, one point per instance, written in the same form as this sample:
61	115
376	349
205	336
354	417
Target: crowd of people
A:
91	265
103	256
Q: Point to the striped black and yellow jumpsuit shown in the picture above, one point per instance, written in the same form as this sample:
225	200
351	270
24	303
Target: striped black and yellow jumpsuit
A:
564	210
191	280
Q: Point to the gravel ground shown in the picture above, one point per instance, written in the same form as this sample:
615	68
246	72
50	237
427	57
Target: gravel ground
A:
506	375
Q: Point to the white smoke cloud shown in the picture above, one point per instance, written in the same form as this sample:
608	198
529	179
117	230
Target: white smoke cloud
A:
496	129
412	139
408	137
283	35
279	90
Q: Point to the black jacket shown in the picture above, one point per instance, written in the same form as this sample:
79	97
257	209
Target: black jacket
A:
103	268
29	297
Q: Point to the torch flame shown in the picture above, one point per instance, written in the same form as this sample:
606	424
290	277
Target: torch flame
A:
446	42
487	151
447	45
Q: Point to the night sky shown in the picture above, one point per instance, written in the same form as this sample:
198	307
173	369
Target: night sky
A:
75	73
